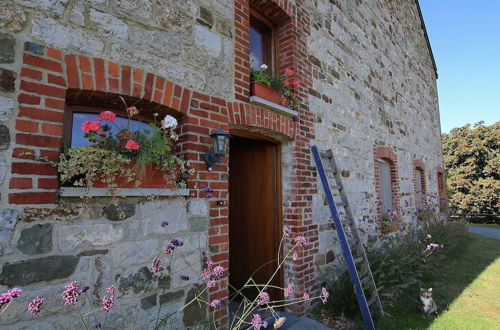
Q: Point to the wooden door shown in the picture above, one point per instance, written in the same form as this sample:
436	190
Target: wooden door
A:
254	216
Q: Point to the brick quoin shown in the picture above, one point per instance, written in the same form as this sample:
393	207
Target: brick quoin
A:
419	165
383	153
443	200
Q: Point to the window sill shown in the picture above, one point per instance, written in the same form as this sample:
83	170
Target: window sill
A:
273	106
129	192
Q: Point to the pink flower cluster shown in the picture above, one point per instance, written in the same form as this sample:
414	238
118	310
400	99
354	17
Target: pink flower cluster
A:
155	267
107	116
7	297
216	304
90	125
324	295
71	294
108	302
211	275
433	246
289	290
257	322
132	145
289	81
35	305
300	240
263	298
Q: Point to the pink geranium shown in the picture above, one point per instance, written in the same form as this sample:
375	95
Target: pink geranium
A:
131	144
288	72
89	125
296	83
107	116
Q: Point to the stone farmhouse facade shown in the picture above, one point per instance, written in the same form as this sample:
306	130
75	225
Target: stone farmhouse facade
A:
367	91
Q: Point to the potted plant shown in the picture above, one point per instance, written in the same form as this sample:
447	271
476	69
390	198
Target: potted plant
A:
278	90
141	158
390	222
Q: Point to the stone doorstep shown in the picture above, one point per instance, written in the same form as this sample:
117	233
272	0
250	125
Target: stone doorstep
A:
294	322
130	192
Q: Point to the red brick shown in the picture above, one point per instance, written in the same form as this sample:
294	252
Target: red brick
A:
58	80
55	103
41	114
72	71
42	63
148	86
138	76
185	101
113	69
38	140
51	155
26	126
87	82
43	89
168	93
125	81
33	198
99	74
44	183
28	99
54	53
33	168
23	153
52	129
20	183
30	73
84	63
113	85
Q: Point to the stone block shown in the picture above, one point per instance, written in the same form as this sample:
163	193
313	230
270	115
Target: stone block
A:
139	252
210	42
36	270
8	219
7	80
198	207
224	26
71	237
6	107
206	17
11	19
194	314
136	283
165	43
171	296
7	48
34	48
52	7
119	212
107	25
198	224
50	31
148	302
36	239
4	137
173	19
141	10
172	210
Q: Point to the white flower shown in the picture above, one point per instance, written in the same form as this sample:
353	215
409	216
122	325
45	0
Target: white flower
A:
169	122
263	66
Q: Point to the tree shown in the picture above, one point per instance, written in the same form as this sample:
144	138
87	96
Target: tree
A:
472	161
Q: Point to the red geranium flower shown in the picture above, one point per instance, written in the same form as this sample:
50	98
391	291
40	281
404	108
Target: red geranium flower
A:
288	72
89	125
107	116
296	83
131	144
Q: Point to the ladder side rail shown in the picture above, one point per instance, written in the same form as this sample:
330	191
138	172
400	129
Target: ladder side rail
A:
365	310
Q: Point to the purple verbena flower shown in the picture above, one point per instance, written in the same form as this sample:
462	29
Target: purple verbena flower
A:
155	265
185	277
289	290
107	303
70	295
324	295
263	298
34	305
177	242
111	289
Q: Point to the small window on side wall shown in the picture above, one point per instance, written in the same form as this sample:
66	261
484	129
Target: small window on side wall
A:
419	188
386	190
262	43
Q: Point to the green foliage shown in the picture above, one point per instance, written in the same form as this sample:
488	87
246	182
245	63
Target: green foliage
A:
399	261
283	84
472	160
264	78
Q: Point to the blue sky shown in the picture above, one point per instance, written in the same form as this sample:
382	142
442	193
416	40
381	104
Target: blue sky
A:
465	39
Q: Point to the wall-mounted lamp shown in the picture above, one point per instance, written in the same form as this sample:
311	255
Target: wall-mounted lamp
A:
220	140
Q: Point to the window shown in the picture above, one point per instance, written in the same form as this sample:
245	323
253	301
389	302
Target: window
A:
386	190
419	187
262	43
76	115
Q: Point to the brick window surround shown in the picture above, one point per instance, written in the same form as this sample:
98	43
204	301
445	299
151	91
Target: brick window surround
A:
419	165
281	13
441	185
386	154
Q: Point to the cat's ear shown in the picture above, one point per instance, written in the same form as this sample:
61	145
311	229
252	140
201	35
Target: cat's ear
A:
421	290
430	290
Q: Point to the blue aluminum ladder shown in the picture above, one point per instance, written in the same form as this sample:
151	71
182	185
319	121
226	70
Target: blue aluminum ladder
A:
361	260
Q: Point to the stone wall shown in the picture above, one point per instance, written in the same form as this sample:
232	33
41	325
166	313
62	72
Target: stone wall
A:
374	86
367	81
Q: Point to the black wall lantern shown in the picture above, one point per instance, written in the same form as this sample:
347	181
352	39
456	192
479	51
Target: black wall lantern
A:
220	141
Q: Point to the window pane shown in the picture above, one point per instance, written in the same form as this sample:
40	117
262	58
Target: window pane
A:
385	186
77	135
261	44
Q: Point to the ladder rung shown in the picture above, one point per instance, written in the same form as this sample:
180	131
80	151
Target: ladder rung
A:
372	300
365	280
340	204
359	260
331	170
335	186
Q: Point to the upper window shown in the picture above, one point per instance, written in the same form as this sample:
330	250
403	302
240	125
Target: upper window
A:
262	42
77	115
386	190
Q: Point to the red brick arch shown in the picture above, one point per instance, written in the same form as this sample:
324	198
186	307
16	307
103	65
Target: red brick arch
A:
383	153
418	165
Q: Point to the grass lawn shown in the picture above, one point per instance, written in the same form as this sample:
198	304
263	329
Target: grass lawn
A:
466	288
